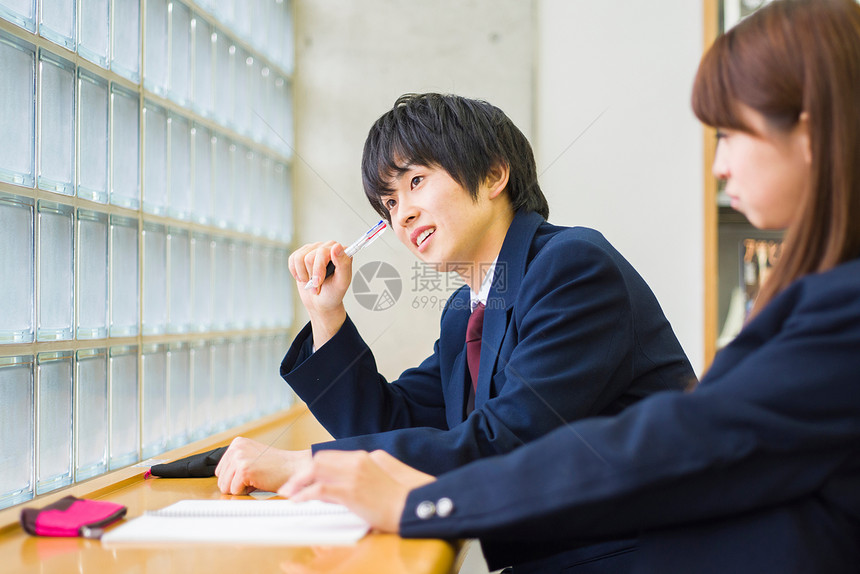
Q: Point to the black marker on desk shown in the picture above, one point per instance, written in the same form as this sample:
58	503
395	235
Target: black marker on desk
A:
350	251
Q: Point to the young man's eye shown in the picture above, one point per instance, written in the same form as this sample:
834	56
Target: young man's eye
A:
416	180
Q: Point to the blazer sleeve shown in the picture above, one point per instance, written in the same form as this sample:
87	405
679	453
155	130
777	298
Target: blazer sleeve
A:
573	327
783	423
345	392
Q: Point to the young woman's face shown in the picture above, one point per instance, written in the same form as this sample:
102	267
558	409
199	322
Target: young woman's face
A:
767	172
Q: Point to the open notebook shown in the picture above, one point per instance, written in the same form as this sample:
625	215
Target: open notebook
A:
272	522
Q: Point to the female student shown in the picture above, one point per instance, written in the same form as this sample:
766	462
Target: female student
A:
758	469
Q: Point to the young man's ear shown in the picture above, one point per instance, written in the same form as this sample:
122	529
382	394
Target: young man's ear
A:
497	179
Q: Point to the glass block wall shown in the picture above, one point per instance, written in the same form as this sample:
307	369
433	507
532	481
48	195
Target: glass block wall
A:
145	224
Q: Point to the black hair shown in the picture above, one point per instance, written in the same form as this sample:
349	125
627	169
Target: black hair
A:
467	138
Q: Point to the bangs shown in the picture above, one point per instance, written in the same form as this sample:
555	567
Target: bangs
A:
714	94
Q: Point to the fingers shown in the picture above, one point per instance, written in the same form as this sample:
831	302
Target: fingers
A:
300	480
232	468
327	473
400	471
308	263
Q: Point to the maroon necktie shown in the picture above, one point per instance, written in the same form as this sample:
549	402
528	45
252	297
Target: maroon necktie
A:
473	343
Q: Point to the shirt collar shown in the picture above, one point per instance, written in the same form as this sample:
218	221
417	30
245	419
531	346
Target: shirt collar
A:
484	292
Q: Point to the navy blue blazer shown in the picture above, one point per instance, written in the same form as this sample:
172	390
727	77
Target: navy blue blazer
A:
570	330
757	470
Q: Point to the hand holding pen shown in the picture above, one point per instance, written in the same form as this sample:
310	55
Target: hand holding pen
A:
372	234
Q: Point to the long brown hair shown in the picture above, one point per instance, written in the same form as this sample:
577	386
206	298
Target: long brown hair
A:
795	56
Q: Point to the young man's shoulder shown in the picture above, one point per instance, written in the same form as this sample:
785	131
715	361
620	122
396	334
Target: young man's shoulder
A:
562	239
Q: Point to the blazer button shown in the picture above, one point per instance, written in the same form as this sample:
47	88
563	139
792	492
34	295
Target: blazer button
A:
425	510
444	507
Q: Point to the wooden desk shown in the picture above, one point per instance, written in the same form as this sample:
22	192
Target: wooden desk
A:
374	554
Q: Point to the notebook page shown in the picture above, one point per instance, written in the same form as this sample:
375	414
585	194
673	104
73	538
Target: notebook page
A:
268	522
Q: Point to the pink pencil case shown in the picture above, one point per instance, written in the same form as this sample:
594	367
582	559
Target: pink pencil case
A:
72	516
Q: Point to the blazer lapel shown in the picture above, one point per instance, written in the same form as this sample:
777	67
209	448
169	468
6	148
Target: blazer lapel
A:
510	268
458	385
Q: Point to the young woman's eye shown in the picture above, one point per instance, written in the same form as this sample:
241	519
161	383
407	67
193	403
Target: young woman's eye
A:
389	203
416	180
721	135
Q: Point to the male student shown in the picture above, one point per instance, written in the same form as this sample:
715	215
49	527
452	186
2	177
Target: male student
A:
569	328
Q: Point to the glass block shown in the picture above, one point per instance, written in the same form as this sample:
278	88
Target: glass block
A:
224	11
57	22
179	298
287	37
242	89
201	390
261	18
222	394
268	219
242	392
225	151
283	284
256	307
125	59
18	429
179	394
154	159
203	49
222	286
241	216
201	197
241	285
281	394
56	308
201	300
54	395
18	100
242	18
19	12
267	285
156	43
250	195
283	200
92	137
256	92
154	279
178	167
283	117
154	416
57	127
91	413
264	102
123	277
277	18
125	150
259	395
94	39
92	270
124	407
17	251
179	75
225	55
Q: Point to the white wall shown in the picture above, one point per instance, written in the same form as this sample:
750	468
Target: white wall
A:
636	173
353	59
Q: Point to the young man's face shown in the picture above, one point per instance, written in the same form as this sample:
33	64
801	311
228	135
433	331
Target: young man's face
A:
438	220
